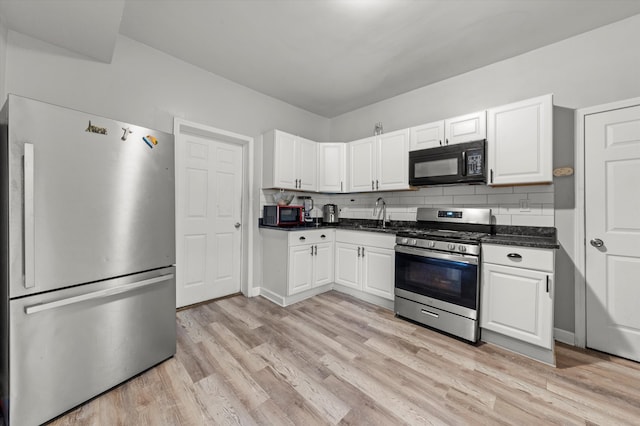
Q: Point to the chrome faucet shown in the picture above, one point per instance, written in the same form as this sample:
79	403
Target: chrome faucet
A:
384	211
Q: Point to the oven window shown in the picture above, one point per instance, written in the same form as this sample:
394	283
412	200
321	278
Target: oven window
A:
446	280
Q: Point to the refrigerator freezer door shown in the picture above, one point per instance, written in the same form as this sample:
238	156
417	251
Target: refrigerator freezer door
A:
70	345
90	198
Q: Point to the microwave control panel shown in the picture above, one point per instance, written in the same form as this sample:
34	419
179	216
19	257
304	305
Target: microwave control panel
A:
474	162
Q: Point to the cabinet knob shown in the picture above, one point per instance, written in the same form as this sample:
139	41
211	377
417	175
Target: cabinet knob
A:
596	242
302	238
323	236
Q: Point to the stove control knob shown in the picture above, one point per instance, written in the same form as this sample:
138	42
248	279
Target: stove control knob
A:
413	242
451	246
462	248
404	240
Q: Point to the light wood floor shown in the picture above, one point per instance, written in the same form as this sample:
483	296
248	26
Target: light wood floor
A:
333	359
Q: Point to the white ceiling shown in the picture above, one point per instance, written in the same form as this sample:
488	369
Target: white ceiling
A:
326	56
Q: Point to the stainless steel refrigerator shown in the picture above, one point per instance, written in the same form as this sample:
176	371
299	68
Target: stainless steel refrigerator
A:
88	247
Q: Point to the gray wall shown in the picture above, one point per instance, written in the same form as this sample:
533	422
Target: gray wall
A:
596	67
147	87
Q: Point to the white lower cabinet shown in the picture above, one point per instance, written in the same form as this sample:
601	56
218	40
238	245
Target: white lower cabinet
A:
517	299
365	261
296	263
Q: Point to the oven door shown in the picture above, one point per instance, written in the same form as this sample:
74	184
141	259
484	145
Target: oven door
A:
442	280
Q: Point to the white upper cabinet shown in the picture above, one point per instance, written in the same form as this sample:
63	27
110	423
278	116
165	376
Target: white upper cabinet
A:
307	164
379	162
362	157
428	135
289	162
465	128
393	160
332	167
520	142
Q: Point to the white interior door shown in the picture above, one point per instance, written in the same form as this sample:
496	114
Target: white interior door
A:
612	203
209	212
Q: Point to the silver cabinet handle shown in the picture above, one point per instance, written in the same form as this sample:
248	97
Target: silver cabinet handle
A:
237	225
596	242
358	251
440	141
514	256
341	186
362	251
377	186
547	283
431	314
491	173
311	250
95	295
372	187
29	217
315	250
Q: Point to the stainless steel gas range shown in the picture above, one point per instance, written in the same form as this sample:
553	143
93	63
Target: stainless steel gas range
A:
437	269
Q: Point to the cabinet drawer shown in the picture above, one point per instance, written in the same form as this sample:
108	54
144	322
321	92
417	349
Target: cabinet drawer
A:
367	238
521	257
315	236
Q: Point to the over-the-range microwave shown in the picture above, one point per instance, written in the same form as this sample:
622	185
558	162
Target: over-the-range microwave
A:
451	164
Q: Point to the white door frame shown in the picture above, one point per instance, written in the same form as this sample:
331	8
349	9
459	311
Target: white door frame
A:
183	127
580	216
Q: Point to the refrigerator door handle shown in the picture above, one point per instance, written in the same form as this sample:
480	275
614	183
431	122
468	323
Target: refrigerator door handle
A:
29	218
95	295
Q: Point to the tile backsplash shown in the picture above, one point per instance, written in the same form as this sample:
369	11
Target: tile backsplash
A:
513	205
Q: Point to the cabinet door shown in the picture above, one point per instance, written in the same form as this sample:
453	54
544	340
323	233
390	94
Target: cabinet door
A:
362	162
284	167
332	169
323	264
300	269
378	266
520	142
347	264
518	302
307	164
393	161
429	135
466	128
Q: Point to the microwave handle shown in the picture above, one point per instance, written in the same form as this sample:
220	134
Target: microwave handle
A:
464	163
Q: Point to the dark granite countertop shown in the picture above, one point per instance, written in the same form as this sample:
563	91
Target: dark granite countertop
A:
523	236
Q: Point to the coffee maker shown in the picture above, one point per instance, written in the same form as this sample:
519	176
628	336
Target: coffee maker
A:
307	204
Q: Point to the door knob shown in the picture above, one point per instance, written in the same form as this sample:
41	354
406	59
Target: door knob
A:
237	225
597	242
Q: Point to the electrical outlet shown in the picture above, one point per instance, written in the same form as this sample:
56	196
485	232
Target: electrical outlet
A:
524	206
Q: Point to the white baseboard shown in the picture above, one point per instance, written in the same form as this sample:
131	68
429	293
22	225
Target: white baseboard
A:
564	336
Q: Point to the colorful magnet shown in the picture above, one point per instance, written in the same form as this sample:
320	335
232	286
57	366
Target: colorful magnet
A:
150	140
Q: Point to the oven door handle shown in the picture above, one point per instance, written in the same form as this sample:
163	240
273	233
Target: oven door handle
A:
470	260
